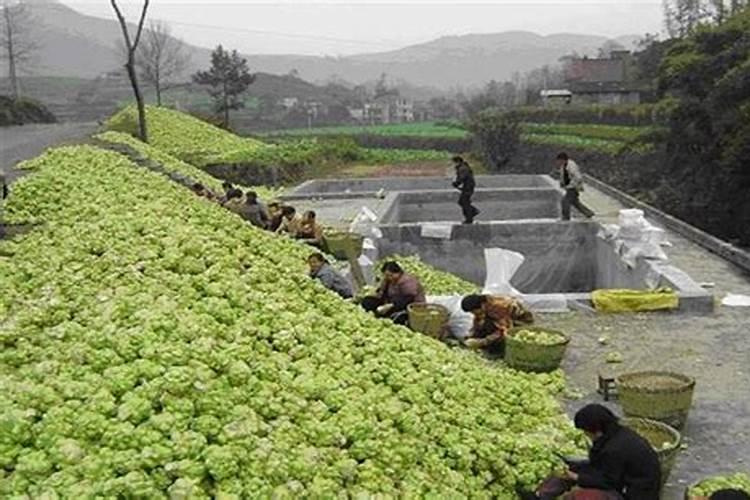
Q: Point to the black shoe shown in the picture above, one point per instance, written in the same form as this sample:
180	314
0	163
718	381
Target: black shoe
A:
468	221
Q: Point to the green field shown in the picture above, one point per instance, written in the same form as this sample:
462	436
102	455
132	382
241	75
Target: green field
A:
604	138
419	129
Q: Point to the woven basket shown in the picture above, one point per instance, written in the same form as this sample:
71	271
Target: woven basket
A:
534	357
658	395
690	487
664	439
342	244
430	319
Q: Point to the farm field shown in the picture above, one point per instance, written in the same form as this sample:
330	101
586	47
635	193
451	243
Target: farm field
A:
604	138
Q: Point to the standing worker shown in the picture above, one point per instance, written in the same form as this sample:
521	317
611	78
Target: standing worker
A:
465	183
322	271
493	317
571	180
397	290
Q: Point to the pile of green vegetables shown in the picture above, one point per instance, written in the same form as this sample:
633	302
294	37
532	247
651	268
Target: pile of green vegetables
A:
153	345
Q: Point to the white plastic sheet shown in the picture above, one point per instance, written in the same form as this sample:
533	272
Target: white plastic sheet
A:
365	223
501	264
460	322
635	237
735	300
437	230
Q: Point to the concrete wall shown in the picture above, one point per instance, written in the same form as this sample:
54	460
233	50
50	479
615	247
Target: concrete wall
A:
558	256
495	205
418	184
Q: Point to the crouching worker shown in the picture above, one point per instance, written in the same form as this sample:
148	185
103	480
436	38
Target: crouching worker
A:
322	271
621	464
493	317
397	290
310	231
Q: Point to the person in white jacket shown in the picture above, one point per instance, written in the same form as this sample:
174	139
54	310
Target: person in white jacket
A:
571	180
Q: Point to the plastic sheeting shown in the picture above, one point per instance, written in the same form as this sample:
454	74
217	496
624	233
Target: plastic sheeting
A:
502	265
635	237
365	223
460	322
437	230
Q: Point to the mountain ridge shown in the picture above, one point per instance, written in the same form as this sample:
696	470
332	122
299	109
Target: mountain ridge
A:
79	45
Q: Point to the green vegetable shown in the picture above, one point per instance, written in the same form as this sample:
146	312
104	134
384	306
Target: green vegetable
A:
154	345
434	281
540	337
739	481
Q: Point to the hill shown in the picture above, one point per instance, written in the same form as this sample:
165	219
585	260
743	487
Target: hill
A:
81	46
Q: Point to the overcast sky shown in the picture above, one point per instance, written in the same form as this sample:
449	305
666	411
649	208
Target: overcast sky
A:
340	28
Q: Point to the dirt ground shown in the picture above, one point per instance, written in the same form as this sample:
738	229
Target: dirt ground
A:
715	349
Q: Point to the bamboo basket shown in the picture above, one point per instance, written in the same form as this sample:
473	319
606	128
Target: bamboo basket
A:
664	439
430	319
534	357
658	395
342	245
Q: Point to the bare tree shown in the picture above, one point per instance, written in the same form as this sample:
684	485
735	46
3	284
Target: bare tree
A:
161	58
17	40
131	46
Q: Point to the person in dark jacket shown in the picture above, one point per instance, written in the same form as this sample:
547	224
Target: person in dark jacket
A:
397	290
621	465
322	271
253	211
465	183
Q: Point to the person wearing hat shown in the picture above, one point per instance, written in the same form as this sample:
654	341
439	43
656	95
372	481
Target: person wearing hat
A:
465	183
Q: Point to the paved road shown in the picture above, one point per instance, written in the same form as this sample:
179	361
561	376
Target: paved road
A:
21	143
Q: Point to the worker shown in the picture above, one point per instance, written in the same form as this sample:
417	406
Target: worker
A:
275	215
310	231
234	201
571	180
465	183
322	271
200	190
493	317
253	211
291	221
227	187
397	290
621	464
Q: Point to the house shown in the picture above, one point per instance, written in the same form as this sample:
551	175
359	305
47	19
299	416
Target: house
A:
602	80
605	93
556	98
389	109
289	102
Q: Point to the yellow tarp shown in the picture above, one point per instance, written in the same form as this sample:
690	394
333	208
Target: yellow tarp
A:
634	300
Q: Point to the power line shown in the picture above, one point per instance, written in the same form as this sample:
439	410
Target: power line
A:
291	35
